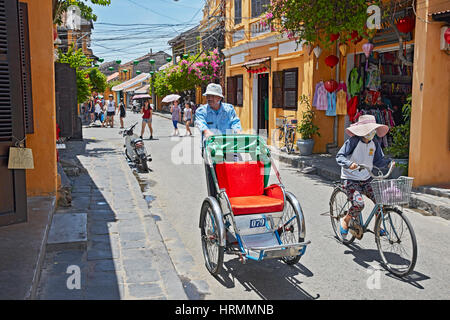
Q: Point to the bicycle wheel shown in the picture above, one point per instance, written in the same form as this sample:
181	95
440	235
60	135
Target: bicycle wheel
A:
213	252
294	233
339	206
397	245
290	141
277	137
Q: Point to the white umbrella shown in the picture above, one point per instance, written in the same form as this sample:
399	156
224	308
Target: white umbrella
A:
171	98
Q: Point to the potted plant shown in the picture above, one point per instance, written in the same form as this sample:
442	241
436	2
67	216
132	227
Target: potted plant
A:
398	150
306	128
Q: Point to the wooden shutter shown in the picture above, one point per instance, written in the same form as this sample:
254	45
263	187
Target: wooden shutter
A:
66	98
290	89
26	67
231	90
277	89
13	197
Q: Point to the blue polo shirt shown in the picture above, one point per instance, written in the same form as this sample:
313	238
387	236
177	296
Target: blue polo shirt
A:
222	121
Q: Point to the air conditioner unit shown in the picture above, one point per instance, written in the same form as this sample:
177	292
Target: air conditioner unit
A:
444	44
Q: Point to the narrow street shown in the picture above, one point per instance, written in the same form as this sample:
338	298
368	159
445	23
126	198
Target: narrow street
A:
328	270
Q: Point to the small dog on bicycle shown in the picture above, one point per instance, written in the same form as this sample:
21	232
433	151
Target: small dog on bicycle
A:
363	147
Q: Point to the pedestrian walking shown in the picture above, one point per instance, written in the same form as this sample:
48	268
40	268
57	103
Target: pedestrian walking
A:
176	116
91	107
147	112
110	111
187	117
122	112
98	110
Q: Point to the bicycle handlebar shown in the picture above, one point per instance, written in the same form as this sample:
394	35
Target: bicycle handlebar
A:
380	173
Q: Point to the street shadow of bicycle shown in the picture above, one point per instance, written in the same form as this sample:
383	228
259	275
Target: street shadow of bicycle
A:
270	279
364	256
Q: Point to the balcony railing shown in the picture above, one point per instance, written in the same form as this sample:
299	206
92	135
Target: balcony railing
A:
239	35
257	29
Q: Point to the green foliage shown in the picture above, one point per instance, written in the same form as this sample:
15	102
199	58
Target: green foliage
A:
194	71
112	84
315	20
98	80
399	147
61	6
307	128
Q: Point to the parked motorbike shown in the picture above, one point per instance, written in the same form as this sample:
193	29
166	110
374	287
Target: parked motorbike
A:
135	149
136	108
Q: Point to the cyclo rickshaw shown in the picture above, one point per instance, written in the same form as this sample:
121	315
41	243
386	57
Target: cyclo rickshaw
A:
246	216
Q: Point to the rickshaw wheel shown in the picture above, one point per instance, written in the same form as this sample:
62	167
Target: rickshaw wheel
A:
211	236
294	227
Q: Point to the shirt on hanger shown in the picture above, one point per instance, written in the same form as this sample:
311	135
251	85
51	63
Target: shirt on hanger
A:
331	109
320	100
341	99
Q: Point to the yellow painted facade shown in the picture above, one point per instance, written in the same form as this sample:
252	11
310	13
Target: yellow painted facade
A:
430	128
42	180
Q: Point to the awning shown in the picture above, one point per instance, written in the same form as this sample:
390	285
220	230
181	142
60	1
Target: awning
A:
255	62
132	82
112	77
143	90
443	16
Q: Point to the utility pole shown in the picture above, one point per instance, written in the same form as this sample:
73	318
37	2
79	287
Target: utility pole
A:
151	80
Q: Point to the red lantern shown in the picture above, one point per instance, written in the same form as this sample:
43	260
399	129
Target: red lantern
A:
334	36
447	35
406	24
331	61
353	35
331	85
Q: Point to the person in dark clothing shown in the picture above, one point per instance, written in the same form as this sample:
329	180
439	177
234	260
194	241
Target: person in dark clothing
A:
122	111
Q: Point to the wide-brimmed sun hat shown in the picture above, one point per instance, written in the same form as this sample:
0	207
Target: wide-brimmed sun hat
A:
214	90
365	125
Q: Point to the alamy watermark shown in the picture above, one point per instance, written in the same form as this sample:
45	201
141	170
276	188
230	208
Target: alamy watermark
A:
74	280
374	21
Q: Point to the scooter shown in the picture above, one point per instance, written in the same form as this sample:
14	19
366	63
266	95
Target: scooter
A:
136	108
135	149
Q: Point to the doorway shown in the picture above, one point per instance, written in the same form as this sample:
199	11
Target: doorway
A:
263	102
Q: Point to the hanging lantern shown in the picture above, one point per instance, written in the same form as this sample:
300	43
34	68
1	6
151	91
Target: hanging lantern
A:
118	61
101	60
331	60
135	62
331	85
138	72
169	59
343	47
447	35
353	35
96	66
152	72
124	70
367	48
185	56
334	36
317	52
111	69
151	61
406	24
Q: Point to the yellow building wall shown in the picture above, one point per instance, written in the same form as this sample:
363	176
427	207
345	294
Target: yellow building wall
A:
42	180
429	161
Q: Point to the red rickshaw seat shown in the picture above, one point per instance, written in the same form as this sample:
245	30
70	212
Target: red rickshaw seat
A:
244	185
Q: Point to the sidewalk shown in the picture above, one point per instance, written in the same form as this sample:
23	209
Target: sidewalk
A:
108	233
22	249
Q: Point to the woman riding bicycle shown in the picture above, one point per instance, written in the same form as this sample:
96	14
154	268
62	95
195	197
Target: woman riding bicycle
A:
362	148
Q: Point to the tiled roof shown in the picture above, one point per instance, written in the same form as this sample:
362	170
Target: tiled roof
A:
132	82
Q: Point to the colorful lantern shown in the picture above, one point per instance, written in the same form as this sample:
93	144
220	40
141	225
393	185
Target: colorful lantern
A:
118	61
185	56
331	85
343	47
331	60
111	69
317	52
138	72
101	60
124	70
406	24
169	59
151	61
334	37
447	35
135	62
367	48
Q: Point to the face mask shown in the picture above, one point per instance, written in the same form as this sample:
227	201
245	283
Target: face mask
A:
370	135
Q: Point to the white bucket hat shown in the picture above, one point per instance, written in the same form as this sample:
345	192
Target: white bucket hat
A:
214	90
365	125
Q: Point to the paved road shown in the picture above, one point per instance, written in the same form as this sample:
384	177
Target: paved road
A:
329	270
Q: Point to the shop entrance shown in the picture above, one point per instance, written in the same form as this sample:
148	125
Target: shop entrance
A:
382	87
263	102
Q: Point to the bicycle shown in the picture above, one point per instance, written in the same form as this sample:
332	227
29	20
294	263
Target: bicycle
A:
285	133
392	228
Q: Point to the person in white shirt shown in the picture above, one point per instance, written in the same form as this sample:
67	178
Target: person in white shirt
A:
110	111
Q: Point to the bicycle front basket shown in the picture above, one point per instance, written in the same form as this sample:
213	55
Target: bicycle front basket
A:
393	191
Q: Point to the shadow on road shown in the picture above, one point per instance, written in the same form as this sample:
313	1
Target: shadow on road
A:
270	279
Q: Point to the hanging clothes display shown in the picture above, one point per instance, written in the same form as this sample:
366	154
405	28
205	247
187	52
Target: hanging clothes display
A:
355	82
331	109
341	99
320	100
